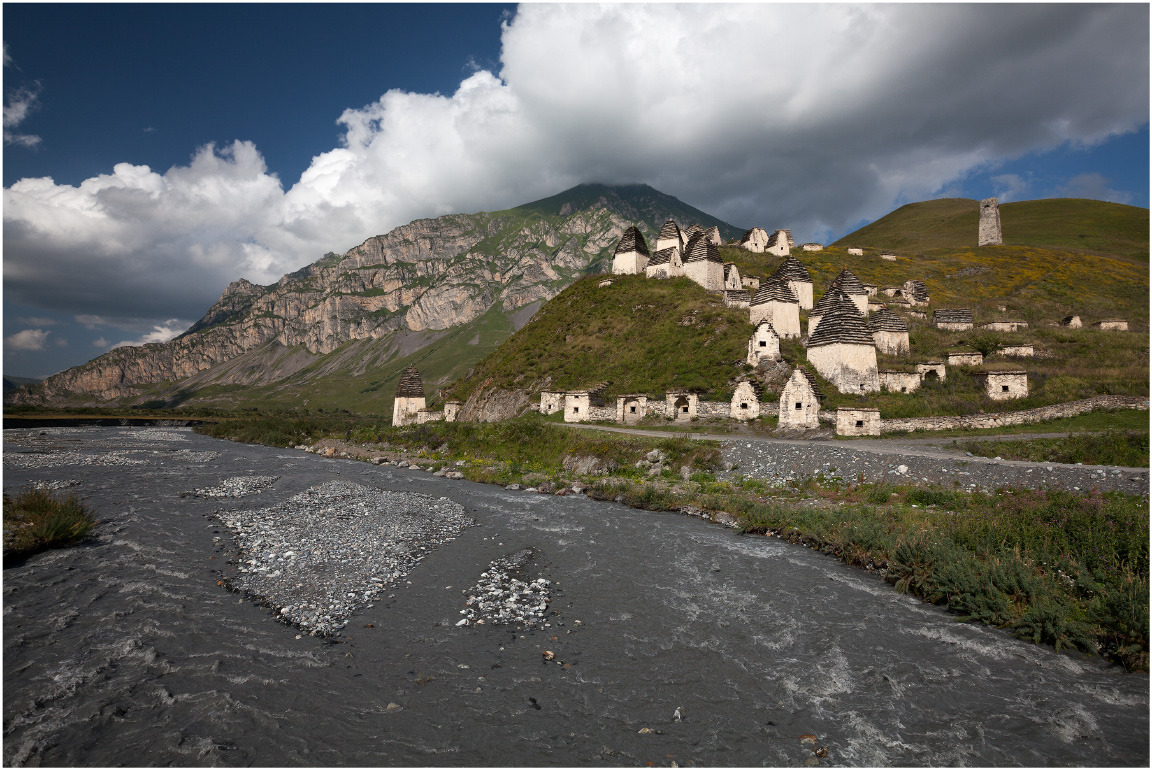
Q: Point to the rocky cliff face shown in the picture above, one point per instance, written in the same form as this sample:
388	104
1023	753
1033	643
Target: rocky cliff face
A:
427	275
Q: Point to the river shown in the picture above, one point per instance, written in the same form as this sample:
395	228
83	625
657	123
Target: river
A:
128	651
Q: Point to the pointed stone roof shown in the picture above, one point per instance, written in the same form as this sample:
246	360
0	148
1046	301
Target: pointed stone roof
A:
700	249
662	257
952	316
713	234
669	230
774	291
775	237
692	230
411	386
884	320
848	283
842	324
632	240
826	302
918	291
811	381
791	269
771	328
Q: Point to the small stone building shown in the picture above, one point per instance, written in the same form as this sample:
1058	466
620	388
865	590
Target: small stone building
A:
581	405
952	319
842	350
1072	322
1111	325
989	233
890	332
428	415
798	279
916	293
964	358
755	240
551	401
775	303
847	283
745	402
702	263
779	243
764	344
800	401
857	421
932	370
1005	326
813	247
631	255
1017	351
738	298
665	263
452	411
888	257
896	381
1005	385
732	276
749	282
826	303
852	252
631	408
681	405
409	398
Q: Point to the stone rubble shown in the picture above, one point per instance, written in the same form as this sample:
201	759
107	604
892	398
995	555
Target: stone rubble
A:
319	556
500	597
238	486
58	459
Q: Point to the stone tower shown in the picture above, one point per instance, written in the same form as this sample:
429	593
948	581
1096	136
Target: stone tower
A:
990	234
409	398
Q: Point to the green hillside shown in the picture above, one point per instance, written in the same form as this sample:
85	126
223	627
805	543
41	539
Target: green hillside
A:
1070	224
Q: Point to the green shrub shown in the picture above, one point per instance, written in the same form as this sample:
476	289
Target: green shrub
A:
34	520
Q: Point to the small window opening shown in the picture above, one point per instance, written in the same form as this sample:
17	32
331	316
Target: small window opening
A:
1003	388
743	405
799	404
684	410
859	423
763	343
903	388
575	410
632	409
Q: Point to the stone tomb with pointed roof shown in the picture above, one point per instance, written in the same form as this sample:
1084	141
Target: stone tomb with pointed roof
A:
669	236
631	255
826	303
775	303
843	351
847	283
755	240
799	280
779	243
764	344
890	332
409	398
702	262
732	276
745	402
665	263
800	401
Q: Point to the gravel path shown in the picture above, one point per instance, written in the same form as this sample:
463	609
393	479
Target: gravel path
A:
781	461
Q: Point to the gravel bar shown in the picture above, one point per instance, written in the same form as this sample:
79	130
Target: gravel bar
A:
500	597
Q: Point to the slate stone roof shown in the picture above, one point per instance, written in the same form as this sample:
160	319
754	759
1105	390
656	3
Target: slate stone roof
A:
700	249
411	386
917	289
952	316
792	270
632	240
885	320
748	235
826	302
848	283
713	234
775	237
774	291
737	295
811	382
728	269
662	257
767	323
669	230
692	230
843	324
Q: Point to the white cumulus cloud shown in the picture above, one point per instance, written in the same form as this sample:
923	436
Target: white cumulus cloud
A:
28	339
811	117
159	333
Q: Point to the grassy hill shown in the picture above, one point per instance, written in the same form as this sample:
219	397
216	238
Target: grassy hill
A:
1069	224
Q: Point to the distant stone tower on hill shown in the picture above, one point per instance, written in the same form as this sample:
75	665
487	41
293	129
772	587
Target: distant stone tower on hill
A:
990	234
409	398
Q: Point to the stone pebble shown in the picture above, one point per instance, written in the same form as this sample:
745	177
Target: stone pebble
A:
501	597
319	556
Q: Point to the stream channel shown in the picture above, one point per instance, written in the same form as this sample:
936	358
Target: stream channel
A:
127	650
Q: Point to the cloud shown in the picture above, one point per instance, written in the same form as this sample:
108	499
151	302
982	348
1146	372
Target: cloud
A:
812	117
37	321
1095	186
101	342
1011	187
28	339
17	106
160	333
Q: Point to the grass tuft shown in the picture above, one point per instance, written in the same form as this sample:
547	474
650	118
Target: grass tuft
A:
34	521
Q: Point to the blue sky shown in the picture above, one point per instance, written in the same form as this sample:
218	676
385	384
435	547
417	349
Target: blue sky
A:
154	153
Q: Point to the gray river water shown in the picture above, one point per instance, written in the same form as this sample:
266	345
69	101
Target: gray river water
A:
127	651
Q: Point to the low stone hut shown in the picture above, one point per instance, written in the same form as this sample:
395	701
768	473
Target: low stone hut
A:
732	276
798	279
813	247
682	405
1111	325
581	405
853	252
932	370
842	350
1005	326
452	411
964	358
631	255
631	408
847	283
764	345
702	263
896	381
745	402
857	421
779	243
952	319
409	398
890	332
551	401
916	293
775	303
800	401
1005	385
1072	322
738	298
428	415
888	257
755	240
1017	351
749	282
665	263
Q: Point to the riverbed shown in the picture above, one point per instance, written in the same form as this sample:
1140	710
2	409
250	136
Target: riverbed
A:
665	639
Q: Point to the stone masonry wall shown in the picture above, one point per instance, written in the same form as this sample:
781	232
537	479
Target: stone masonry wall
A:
1023	417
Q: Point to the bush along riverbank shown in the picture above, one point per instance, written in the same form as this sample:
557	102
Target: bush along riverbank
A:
1053	567
35	521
